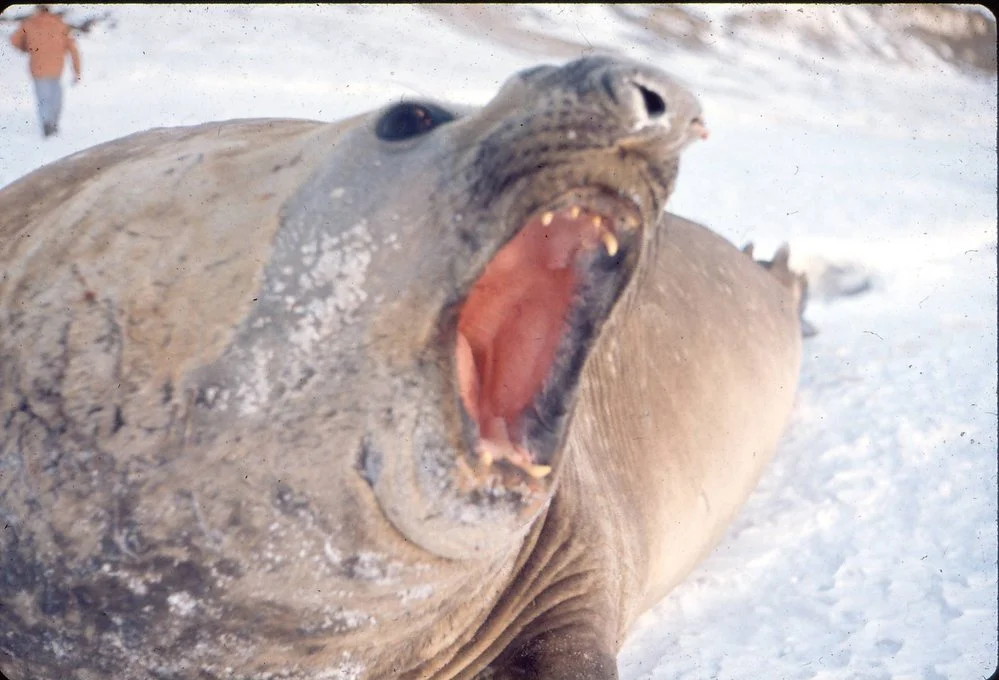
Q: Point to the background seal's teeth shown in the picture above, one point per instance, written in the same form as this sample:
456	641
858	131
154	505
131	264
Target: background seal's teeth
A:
575	211
547	218
631	223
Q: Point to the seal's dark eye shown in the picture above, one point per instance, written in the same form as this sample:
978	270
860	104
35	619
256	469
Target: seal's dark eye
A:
407	120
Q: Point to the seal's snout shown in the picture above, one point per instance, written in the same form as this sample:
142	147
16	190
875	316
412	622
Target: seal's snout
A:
653	110
665	108
640	98
654	101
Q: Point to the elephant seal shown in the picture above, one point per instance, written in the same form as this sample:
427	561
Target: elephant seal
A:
428	393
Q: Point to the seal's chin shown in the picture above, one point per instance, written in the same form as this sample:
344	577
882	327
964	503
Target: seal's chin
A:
529	322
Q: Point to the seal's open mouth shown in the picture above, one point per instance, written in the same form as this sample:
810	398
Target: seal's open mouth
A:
529	322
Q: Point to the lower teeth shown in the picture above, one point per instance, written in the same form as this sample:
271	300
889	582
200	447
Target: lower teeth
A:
492	450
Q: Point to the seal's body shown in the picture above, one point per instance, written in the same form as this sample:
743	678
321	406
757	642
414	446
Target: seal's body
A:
425	393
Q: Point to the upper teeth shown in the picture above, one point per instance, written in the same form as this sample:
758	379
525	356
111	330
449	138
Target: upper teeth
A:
603	228
610	242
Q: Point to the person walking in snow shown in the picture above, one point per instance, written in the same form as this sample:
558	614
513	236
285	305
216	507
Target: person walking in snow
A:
46	39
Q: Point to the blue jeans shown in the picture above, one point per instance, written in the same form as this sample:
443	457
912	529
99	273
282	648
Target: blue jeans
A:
49	93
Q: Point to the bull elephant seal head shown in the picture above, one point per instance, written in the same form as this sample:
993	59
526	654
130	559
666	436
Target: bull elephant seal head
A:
518	227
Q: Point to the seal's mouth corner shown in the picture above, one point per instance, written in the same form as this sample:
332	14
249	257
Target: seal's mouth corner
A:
527	326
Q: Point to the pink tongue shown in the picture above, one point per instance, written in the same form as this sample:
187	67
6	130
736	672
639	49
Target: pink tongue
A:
511	325
503	363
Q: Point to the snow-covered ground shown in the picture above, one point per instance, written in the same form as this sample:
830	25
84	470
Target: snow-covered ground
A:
869	548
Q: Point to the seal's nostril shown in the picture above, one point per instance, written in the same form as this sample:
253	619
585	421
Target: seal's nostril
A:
654	104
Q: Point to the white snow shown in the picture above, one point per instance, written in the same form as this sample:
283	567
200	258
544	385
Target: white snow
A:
869	548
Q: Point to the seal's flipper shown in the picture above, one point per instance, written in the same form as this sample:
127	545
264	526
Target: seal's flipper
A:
569	653
780	267
781	258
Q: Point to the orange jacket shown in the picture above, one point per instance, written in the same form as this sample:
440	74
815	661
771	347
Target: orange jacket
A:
46	38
